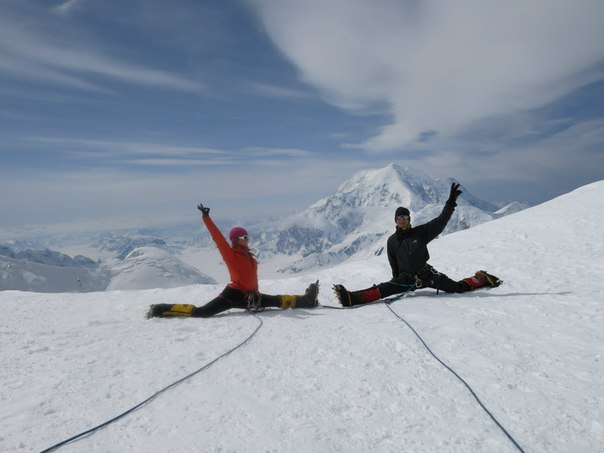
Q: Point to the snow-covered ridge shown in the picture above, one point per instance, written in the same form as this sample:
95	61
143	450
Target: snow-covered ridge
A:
48	257
49	271
45	271
122	246
151	267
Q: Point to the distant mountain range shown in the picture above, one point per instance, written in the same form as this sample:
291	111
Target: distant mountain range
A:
353	223
52	272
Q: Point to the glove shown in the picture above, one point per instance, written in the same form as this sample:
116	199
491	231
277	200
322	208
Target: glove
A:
455	192
205	211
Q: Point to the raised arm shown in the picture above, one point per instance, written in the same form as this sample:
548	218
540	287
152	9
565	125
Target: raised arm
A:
223	246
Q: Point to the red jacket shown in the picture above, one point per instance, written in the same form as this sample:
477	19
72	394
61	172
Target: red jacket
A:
241	263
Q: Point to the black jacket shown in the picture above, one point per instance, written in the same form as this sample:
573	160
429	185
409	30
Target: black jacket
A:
407	249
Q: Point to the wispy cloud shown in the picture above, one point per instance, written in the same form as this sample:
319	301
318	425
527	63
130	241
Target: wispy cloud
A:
235	191
116	148
69	6
39	72
438	65
263	89
45	56
279	152
111	153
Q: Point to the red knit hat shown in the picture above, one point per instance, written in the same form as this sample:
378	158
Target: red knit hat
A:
236	233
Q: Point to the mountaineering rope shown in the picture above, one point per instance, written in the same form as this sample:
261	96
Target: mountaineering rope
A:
509	436
156	394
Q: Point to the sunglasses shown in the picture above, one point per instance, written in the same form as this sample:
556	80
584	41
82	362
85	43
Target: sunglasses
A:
402	217
245	237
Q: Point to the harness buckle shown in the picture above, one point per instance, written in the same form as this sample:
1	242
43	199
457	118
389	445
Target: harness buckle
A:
418	282
254	302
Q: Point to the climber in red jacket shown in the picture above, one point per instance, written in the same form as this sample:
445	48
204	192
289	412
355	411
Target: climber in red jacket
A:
242	292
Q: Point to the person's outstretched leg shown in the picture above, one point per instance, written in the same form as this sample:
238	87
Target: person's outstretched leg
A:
439	281
170	310
376	292
285	301
350	298
227	299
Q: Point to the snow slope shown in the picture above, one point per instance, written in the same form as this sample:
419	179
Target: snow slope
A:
152	267
332	380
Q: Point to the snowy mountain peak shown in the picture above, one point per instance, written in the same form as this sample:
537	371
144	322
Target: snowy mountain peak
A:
356	218
393	186
388	186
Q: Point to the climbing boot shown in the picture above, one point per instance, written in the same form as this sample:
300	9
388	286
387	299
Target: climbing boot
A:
307	300
490	280
170	310
482	279
364	296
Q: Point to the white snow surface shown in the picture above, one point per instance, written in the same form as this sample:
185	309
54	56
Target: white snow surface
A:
328	380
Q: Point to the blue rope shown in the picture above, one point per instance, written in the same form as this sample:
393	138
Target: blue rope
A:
509	436
155	395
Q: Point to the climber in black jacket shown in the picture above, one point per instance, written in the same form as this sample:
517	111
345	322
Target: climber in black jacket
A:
408	257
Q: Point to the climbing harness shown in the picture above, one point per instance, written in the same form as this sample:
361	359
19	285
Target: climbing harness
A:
409	287
509	436
156	394
430	275
437	276
254	302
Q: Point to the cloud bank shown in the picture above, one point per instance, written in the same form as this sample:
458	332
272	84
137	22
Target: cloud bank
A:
438	66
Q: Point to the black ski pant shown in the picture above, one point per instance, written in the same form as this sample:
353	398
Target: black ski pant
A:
433	279
427	278
233	298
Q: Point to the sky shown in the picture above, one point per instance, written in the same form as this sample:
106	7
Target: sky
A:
129	113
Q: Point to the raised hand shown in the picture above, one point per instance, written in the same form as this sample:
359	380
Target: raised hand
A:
455	192
205	211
